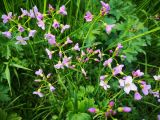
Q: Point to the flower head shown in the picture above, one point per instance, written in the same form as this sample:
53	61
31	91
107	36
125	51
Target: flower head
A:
41	24
20	28
32	33
117	69
157	78
104	85
66	61
64	27
145	89
92	110
76	47
21	40
127	84
88	16
51	88
109	28
6	18
60	65
39	72
24	12
107	62
55	24
105	8
7	34
137	96
49	53
51	39
137	73
38	93
62	10
69	41
124	109
103	77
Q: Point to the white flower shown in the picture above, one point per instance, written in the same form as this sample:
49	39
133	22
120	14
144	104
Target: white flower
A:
104	85
157	77
127	84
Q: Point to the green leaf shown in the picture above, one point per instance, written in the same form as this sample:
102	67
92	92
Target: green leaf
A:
19	66
78	116
14	116
3	115
4	93
7	73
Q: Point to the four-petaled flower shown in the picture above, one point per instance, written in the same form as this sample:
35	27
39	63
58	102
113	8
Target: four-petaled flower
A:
76	47
7	34
105	8
127	84
137	96
64	27
22	40
6	18
104	85
88	16
51	39
32	33
117	69
108	62
109	28
62	10
157	78
39	72
55	24
137	73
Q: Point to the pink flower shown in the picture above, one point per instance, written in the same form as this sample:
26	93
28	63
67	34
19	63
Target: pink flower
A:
64	27
24	12
7	34
103	77
124	109
88	16
6	18
145	89
66	61
20	28
76	47
105	8
38	15
49	53
22	40
107	62
92	110
137	73
137	96
38	93
59	65
69	41
62	10
41	24
109	28
55	24
39	72
104	85
32	33
117	69
51	88
51	39
111	103
127	84
31	14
